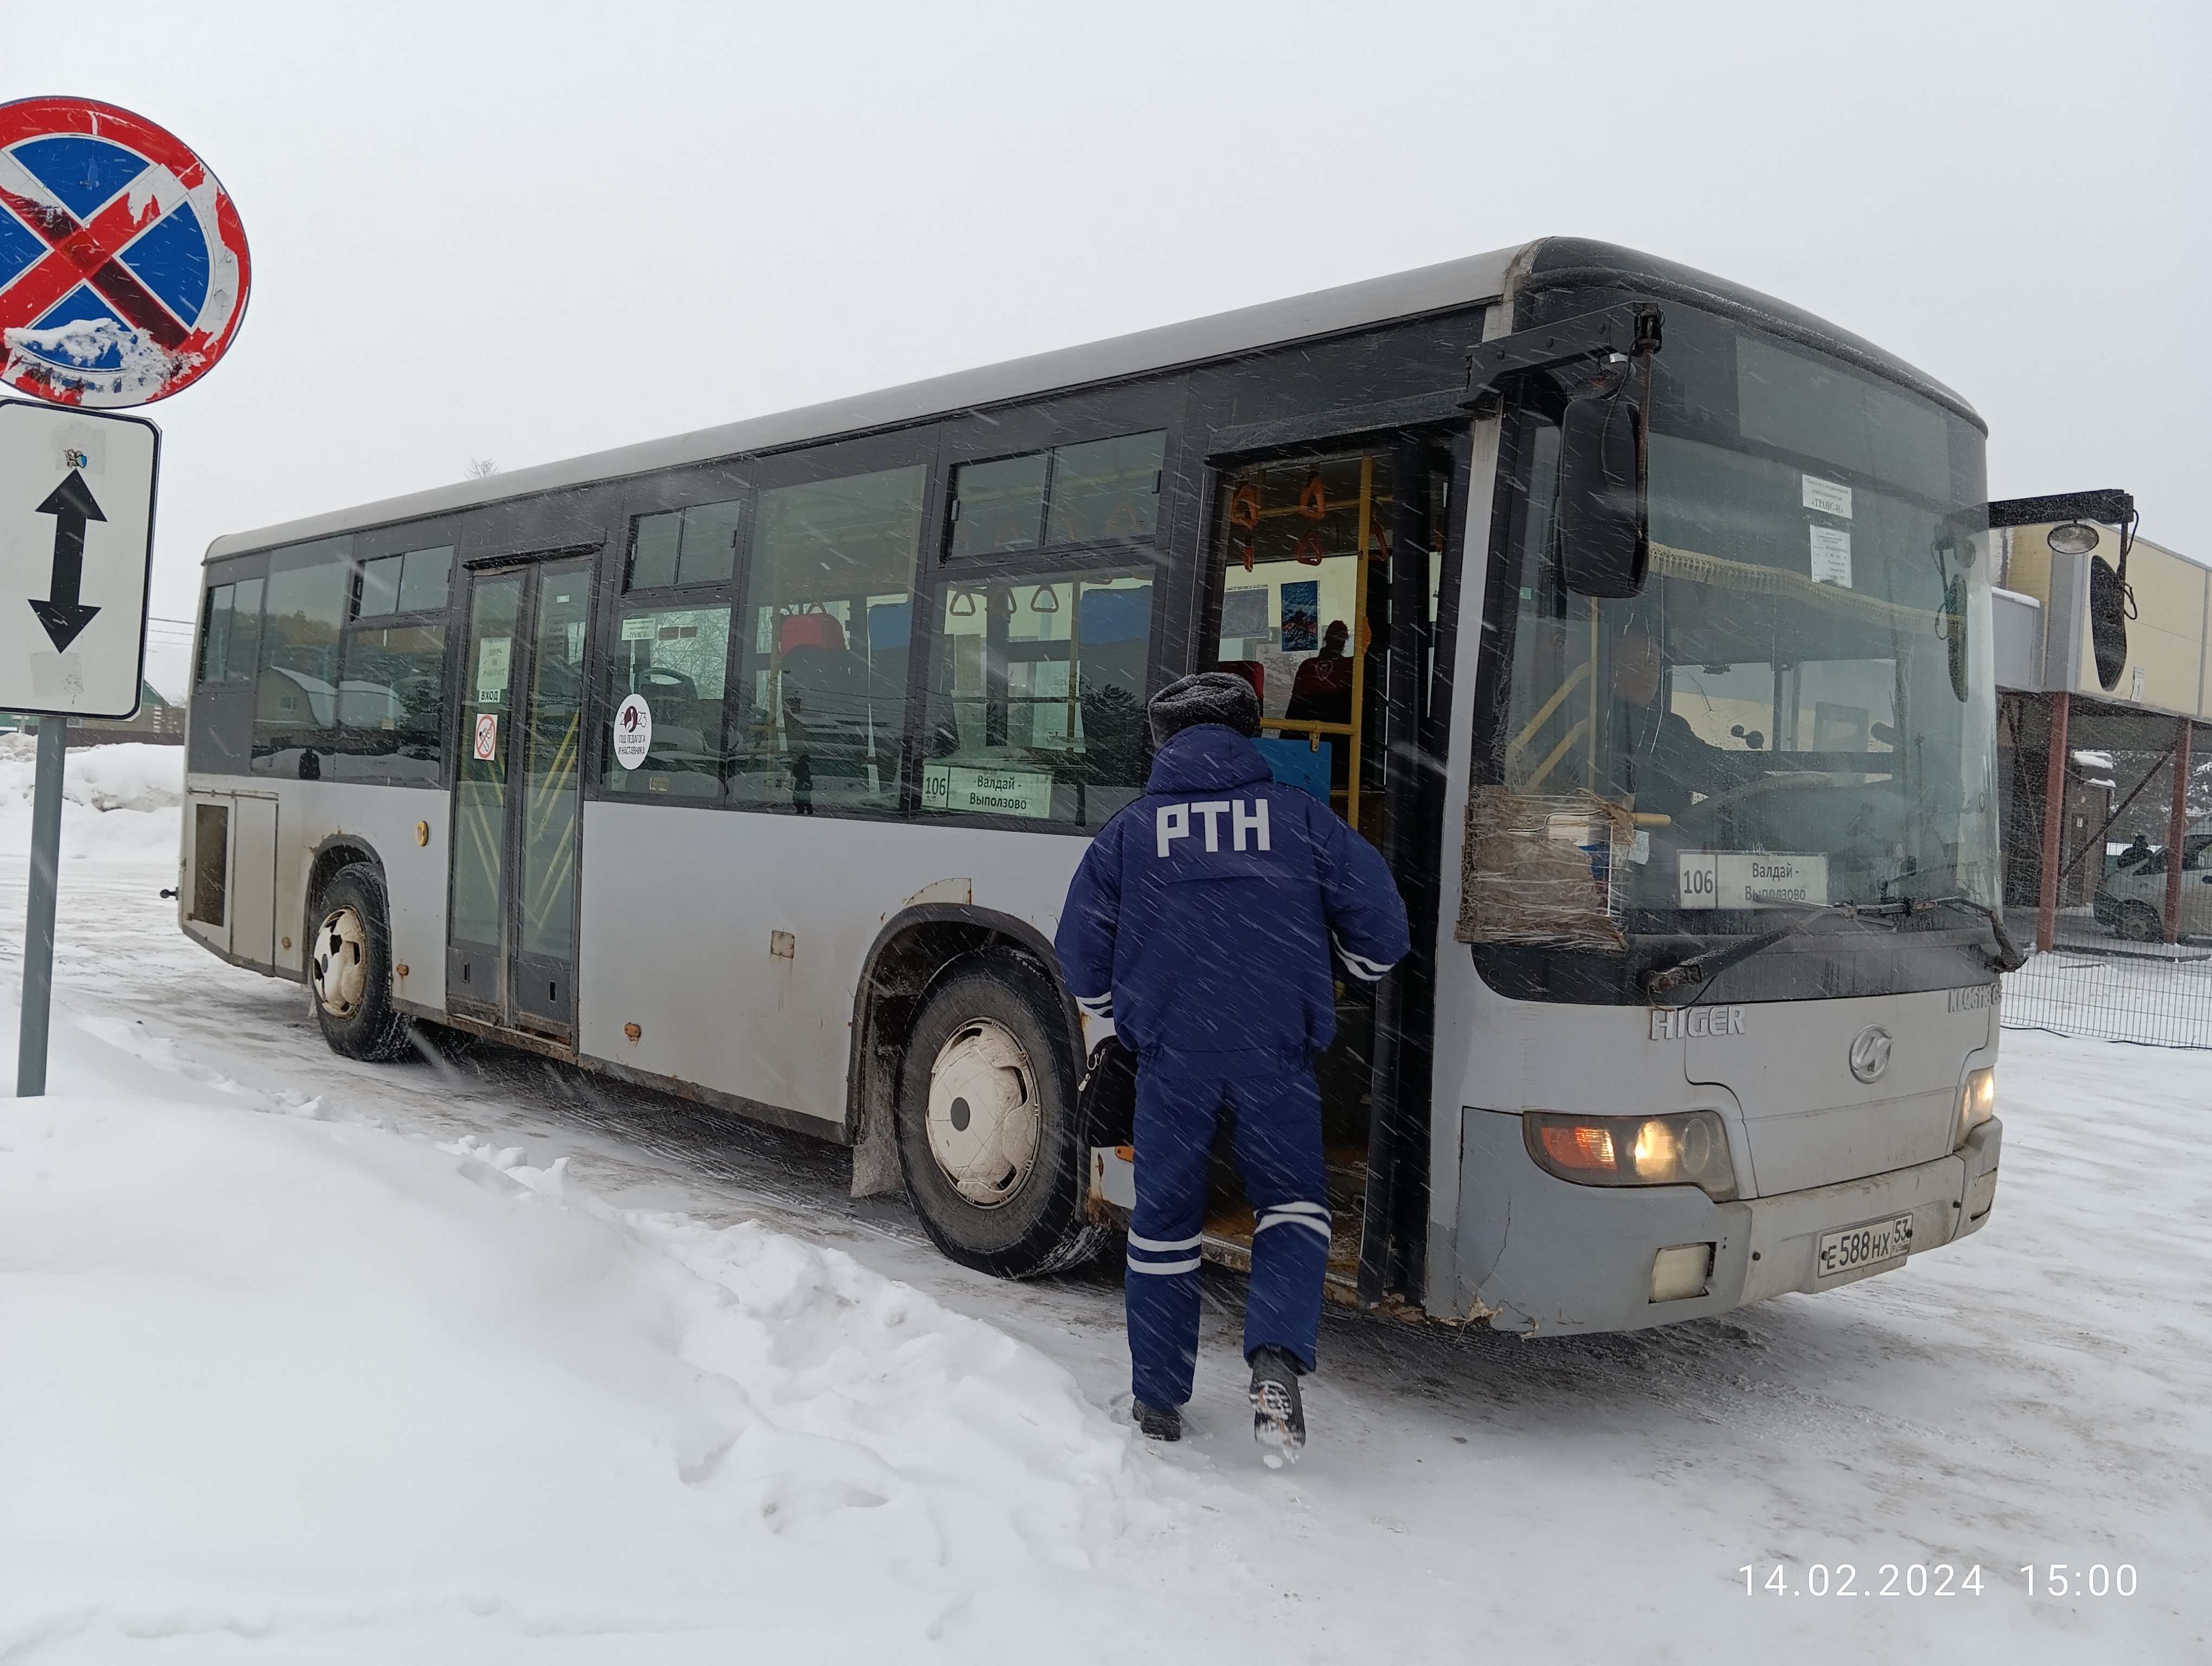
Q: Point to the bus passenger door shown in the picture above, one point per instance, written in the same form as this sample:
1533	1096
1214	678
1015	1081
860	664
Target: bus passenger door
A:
1328	567
511	950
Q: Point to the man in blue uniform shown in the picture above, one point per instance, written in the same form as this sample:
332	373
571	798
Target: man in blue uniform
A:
1206	922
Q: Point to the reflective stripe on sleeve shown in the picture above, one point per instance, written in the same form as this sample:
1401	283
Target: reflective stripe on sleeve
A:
1366	971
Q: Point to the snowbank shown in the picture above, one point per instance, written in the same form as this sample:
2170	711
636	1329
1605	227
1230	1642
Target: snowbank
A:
120	802
314	1384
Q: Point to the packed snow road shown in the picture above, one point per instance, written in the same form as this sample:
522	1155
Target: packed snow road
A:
489	1358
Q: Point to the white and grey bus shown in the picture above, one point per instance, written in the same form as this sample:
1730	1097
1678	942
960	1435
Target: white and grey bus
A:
1641	620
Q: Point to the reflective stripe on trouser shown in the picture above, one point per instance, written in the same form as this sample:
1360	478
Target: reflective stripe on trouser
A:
1275	1136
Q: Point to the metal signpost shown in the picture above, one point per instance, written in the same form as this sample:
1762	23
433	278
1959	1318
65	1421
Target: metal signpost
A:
122	278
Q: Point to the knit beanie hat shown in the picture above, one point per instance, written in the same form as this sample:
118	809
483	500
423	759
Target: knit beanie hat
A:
1210	696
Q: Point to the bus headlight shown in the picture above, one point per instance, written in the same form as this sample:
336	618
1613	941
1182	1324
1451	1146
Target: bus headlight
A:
1977	1102
1683	1148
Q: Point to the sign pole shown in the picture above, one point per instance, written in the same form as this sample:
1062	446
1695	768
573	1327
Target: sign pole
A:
38	919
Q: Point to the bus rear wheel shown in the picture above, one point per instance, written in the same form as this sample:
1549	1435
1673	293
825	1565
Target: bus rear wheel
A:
350	967
989	1140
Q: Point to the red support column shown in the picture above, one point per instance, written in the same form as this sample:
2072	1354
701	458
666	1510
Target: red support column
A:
2054	824
2177	829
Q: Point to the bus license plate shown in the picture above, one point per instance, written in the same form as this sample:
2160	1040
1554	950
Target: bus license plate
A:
1871	1243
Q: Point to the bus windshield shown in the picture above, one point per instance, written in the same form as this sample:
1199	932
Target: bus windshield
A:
1795	709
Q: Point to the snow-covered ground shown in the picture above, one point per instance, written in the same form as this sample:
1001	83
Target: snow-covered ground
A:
303	1359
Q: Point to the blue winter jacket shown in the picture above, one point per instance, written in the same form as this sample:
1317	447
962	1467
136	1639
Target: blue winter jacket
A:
1203	918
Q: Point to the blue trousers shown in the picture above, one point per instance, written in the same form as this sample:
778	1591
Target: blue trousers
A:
1275	1136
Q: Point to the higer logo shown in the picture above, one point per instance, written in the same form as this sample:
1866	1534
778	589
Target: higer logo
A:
1171	822
1674	1023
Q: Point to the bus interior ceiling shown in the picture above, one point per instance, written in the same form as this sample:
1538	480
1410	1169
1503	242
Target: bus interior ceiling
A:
1302	547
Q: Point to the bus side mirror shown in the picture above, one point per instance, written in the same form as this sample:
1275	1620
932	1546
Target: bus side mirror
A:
1604	526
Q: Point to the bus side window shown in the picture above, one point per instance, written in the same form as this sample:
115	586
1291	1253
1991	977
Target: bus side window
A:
220	728
214	632
675	659
391	702
1036	695
295	701
671	651
818	713
1099	491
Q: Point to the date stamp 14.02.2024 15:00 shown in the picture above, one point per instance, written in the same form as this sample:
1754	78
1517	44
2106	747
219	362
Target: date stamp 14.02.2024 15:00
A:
1935	1579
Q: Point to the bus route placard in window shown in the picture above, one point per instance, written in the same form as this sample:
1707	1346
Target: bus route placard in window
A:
1751	879
955	788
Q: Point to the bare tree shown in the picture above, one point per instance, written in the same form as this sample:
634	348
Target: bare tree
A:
480	466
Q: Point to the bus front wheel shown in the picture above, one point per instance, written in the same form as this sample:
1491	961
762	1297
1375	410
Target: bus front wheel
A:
988	1138
350	967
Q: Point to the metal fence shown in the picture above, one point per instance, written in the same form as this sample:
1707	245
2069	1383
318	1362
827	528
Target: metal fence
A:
2158	994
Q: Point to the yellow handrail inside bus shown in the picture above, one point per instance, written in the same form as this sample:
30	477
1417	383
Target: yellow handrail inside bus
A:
1520	742
1565	745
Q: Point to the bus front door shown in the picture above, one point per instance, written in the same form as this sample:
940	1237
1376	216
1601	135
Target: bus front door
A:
1328	567
511	947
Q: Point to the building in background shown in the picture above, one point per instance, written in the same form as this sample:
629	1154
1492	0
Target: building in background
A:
2087	832
157	721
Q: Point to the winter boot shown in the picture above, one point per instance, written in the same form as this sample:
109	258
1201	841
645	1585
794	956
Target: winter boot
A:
1278	1416
1157	1422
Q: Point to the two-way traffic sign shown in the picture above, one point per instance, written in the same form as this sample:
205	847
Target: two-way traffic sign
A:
77	542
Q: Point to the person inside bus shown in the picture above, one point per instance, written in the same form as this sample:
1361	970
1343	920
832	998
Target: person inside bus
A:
1204	925
1320	692
1659	762
824	687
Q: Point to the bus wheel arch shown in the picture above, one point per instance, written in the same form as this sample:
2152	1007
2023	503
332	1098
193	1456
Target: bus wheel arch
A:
927	962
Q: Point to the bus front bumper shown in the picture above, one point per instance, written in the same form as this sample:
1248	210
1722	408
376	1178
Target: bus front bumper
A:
1535	1254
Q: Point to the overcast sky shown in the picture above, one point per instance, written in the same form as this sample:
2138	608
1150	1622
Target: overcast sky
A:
525	232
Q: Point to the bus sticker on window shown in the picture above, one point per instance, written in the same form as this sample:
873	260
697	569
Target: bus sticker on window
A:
1831	556
633	731
1830	497
494	655
487	738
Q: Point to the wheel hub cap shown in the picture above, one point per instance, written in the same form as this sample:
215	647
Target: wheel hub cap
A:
341	963
984	1114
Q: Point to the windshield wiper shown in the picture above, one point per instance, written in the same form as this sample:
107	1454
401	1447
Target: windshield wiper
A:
2010	956
1699	969
1702	969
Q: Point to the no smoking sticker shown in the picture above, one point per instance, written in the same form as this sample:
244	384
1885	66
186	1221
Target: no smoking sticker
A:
633	731
487	738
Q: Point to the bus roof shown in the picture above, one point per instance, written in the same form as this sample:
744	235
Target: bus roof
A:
1442	288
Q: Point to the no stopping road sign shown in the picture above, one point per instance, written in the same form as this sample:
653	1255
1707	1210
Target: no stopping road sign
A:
123	263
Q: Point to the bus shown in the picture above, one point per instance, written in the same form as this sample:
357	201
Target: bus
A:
1643	622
